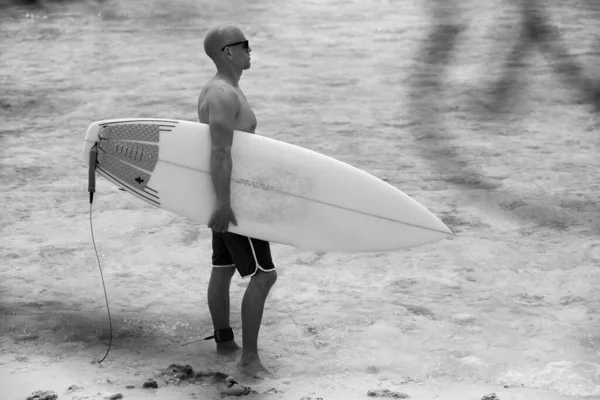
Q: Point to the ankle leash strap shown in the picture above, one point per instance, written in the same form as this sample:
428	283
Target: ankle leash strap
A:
222	335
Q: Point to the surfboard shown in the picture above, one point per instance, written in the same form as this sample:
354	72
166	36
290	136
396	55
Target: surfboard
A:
280	192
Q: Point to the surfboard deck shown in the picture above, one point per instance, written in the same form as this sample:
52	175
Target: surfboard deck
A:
280	192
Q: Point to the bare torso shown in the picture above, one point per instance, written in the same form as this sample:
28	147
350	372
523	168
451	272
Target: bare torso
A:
245	120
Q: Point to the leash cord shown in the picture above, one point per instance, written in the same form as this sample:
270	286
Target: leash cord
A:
104	287
91	190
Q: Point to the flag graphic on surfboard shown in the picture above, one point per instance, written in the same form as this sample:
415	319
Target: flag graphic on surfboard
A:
280	192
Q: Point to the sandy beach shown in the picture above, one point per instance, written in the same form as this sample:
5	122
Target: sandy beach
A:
509	305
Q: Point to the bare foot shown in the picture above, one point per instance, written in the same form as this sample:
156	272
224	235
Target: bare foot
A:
251	367
228	348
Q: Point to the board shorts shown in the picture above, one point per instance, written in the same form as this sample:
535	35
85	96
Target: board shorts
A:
247	255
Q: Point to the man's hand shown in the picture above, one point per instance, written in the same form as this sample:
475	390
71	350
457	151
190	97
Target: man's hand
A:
220	219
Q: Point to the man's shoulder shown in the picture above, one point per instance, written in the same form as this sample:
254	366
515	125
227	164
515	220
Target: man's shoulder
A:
219	87
219	94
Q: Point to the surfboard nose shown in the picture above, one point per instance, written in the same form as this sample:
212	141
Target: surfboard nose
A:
444	229
433	232
438	225
437	230
430	221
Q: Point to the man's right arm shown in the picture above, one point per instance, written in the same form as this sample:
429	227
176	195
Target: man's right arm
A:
223	106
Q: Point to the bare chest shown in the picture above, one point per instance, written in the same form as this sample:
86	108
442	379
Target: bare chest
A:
245	119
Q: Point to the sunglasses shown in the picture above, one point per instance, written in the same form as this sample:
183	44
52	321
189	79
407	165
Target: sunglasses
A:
243	43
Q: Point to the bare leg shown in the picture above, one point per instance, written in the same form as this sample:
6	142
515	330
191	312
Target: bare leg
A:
218	304
253	306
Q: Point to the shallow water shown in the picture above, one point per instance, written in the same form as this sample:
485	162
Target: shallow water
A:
512	299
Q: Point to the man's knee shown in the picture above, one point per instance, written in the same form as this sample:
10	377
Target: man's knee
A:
221	273
266	279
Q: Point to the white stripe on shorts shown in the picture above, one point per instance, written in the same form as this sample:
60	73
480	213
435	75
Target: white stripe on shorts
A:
255	260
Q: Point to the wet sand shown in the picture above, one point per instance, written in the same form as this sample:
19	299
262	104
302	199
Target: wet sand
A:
511	300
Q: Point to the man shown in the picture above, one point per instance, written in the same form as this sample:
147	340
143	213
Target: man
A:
223	106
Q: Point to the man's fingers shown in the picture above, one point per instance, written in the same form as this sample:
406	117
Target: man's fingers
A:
218	224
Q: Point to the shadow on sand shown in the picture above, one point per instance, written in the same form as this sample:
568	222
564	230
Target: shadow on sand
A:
438	147
56	323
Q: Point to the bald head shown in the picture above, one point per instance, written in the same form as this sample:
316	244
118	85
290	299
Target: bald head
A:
220	36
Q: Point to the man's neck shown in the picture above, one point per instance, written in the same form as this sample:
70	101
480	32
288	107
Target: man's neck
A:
231	76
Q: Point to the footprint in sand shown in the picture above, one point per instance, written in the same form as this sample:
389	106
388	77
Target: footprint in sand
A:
184	374
74	388
233	388
387	393
43	395
309	258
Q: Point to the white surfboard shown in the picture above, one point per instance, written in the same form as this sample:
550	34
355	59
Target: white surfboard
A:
280	192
